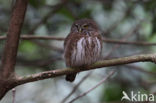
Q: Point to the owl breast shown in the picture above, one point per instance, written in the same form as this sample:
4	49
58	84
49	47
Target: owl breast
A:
86	51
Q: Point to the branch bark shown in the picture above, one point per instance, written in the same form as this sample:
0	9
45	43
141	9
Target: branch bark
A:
29	37
11	46
106	40
99	64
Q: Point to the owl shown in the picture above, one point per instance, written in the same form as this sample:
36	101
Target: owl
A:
82	46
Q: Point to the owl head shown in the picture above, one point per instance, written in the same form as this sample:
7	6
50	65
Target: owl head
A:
85	26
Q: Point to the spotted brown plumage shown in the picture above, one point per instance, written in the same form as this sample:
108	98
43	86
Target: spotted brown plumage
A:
82	46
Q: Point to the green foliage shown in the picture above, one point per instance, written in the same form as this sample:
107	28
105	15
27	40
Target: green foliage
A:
154	25
37	3
150	5
29	48
66	13
152	39
112	92
85	14
107	5
151	68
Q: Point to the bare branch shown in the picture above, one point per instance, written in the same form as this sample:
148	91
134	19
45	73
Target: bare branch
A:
29	37
75	87
100	64
140	43
91	89
11	46
141	69
131	32
13	95
106	40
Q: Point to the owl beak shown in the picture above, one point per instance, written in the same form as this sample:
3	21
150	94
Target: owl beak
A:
80	30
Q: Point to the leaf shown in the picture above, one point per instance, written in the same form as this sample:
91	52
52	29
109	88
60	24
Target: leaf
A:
66	13
112	92
37	3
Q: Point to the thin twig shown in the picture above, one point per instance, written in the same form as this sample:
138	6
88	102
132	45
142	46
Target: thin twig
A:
131	32
140	43
140	69
13	95
91	89
106	40
33	37
76	86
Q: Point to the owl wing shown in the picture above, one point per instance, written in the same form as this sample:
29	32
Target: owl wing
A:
66	40
71	38
99	36
69	44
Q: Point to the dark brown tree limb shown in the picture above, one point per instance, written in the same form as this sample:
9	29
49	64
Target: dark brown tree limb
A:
100	64
11	46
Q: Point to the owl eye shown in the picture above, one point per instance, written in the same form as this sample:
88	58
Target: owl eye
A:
85	26
77	25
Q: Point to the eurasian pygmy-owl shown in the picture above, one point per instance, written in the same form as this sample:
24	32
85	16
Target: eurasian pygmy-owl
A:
82	46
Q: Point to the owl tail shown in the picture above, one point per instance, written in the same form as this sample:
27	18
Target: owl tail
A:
70	77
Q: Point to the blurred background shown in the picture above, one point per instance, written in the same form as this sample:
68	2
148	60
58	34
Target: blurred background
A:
125	20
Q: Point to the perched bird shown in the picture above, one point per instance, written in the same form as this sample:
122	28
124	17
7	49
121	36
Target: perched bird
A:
82	46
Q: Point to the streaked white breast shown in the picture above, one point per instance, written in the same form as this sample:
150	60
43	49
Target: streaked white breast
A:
78	56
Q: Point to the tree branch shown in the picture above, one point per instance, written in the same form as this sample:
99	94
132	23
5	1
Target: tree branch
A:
76	87
11	46
106	40
99	64
124	38
91	89
29	37
141	70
